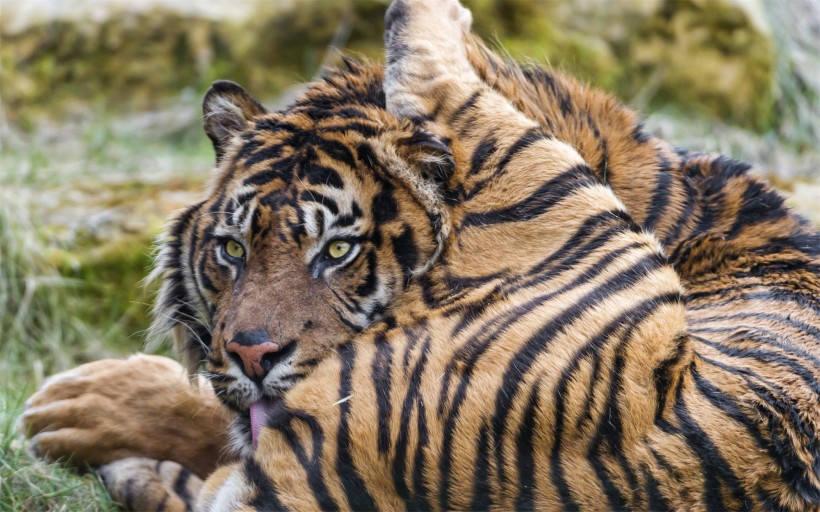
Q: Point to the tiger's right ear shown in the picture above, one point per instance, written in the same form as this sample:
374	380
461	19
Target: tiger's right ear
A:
227	108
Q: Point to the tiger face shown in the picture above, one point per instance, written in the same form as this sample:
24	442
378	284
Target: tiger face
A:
310	233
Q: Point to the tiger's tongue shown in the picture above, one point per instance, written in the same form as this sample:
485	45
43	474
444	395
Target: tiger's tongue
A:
260	410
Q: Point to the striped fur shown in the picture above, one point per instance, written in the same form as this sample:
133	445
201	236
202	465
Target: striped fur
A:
612	323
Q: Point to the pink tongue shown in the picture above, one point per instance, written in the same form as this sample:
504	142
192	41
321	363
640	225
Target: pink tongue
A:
259	414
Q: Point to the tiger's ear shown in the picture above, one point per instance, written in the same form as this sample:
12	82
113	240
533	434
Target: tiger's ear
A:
431	155
227	108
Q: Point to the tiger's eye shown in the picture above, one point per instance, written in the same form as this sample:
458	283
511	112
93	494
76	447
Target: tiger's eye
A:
338	248
234	249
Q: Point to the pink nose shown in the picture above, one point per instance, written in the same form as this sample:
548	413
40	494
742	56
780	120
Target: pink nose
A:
252	347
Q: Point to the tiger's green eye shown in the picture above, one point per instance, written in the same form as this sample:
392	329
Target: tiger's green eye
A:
234	249
338	248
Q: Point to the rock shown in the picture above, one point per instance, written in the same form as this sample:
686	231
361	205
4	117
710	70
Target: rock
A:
713	55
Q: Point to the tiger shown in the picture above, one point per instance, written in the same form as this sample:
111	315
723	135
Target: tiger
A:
460	283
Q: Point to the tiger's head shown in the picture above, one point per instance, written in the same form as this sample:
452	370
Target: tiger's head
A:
317	219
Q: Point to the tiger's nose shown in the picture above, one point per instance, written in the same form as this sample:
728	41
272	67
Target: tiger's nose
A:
256	351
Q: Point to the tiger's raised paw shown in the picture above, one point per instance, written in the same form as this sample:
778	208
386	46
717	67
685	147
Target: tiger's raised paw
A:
112	409
426	55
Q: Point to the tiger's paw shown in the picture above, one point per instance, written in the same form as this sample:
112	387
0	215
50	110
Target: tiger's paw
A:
143	484
426	55
112	409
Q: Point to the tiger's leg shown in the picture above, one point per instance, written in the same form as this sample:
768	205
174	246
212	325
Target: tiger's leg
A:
142	484
427	68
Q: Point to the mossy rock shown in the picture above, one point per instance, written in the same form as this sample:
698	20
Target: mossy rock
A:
101	239
706	55
709	56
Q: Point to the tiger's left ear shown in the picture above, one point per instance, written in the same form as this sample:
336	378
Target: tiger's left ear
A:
227	108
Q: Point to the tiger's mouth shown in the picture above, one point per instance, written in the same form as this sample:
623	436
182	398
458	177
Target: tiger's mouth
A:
247	425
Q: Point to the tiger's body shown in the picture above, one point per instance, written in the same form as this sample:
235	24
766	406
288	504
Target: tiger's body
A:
552	310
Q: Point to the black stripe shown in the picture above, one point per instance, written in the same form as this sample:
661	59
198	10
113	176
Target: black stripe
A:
368	285
682	219
411	401
482	492
539	202
526	448
192	267
181	487
262	155
528	138
727	404
663	375
660	200
337	151
128	493
384	207
281	419
769	393
759	204
770	294
716	470
755	333
655	499
269	175
484	150
640	135
593	381
343	220
382	383
608	225
265	495
769	287
322	175
404	247
358	496
420	490
795	324
364	129
464	107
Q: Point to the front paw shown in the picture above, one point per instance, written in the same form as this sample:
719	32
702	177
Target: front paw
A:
111	409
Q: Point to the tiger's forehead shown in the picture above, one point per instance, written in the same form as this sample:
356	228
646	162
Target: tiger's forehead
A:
301	168
288	148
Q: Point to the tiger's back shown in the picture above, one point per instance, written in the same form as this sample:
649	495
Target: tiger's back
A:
551	359
749	265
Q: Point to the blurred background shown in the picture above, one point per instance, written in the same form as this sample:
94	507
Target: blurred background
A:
101	139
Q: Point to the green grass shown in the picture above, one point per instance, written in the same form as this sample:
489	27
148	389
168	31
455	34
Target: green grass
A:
69	289
29	484
36	330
